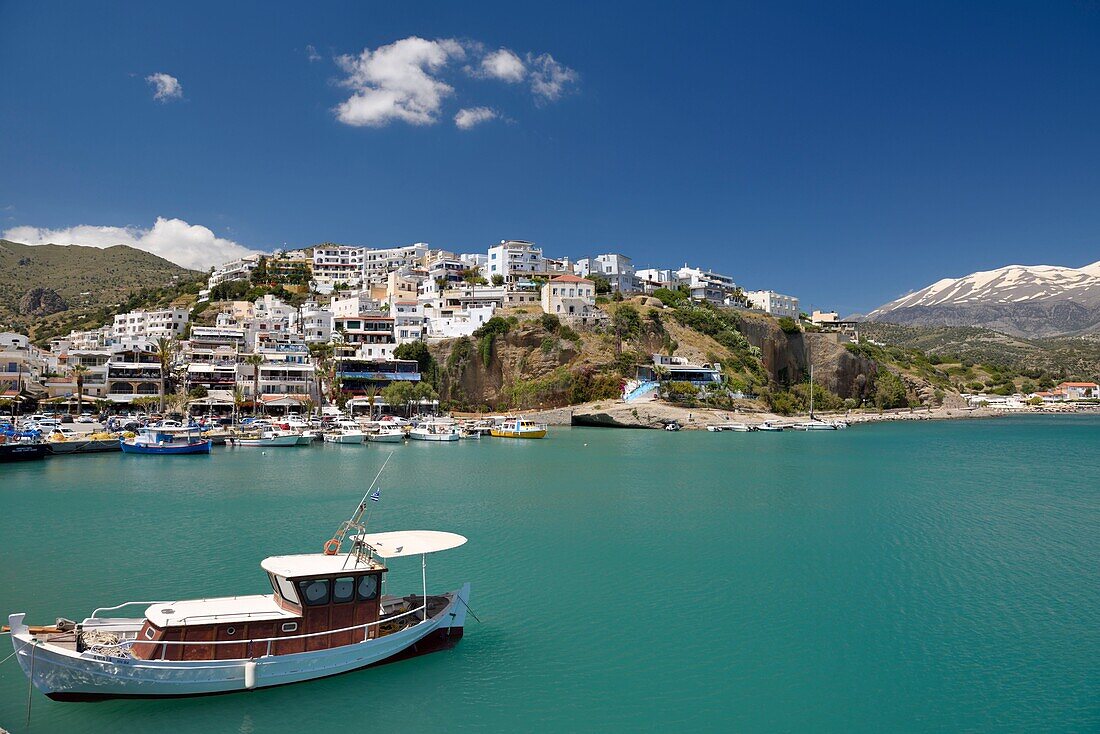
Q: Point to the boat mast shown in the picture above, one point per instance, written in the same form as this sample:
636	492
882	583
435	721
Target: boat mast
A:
332	546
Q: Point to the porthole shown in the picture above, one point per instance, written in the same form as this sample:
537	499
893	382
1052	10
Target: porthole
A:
290	626
230	630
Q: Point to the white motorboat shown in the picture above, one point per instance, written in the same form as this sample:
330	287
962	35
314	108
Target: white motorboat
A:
434	432
387	435
326	616
346	432
265	439
737	427
814	426
769	427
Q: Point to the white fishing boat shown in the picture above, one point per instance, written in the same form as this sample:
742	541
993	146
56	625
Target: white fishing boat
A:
264	439
768	426
737	427
814	425
345	432
387	435
434	432
326	616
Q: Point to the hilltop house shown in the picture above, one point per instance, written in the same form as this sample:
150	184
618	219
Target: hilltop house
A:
572	299
1079	390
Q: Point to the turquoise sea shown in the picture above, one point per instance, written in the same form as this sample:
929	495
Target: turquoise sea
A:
891	578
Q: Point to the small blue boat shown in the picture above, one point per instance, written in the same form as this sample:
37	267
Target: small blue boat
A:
167	440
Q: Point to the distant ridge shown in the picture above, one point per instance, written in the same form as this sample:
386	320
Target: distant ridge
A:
1021	300
52	281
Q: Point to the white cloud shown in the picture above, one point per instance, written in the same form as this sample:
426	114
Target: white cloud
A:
503	64
397	82
166	86
470	116
311	53
548	77
189	245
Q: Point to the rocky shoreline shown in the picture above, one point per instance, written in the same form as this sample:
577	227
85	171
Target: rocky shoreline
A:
655	415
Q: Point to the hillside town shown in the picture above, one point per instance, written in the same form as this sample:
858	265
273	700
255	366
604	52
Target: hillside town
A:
345	313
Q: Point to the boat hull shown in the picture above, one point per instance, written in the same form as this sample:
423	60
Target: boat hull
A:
386	437
88	446
414	436
276	442
202	447
501	433
344	438
23	452
65	675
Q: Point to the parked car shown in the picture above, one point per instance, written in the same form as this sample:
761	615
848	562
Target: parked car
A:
85	418
66	418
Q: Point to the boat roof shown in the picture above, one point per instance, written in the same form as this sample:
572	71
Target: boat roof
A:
210	611
315	564
410	542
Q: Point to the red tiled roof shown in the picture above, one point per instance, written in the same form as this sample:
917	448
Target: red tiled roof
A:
1078	384
569	279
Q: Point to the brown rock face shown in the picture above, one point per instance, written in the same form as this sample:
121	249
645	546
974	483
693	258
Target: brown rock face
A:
41	302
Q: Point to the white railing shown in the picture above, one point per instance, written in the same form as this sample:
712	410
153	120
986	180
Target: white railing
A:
126	604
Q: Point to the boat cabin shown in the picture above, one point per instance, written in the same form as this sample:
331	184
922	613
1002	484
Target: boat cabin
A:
311	593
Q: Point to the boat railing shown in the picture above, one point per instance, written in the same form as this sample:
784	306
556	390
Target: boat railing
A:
125	604
163	644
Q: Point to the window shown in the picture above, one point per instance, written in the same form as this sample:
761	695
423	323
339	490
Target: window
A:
286	590
290	627
368	587
314	591
343	589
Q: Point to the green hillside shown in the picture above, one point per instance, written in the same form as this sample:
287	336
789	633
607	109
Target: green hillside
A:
45	290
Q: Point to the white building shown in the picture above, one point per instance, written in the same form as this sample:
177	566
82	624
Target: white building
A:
617	268
377	264
571	298
167	322
369	335
353	304
515	260
706	285
650	279
459	323
774	303
316	323
338	264
240	269
408	321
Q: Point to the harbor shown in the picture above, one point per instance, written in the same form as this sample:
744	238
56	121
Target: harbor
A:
850	568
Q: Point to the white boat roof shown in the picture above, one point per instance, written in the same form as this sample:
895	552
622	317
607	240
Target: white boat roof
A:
209	611
314	564
410	542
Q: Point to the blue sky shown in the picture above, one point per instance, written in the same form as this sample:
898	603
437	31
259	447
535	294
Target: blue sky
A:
844	153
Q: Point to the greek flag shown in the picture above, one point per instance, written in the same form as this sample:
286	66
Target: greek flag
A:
376	495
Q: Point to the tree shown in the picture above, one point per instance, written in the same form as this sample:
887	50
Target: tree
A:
79	371
418	351
889	390
255	360
473	276
497	279
603	285
238	401
322	355
165	351
259	273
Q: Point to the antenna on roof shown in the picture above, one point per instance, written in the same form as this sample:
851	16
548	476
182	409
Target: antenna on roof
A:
332	545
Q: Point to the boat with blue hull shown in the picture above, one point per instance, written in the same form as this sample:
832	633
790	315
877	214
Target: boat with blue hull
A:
167	440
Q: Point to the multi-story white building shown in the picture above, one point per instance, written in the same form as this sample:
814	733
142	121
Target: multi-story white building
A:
20	364
353	304
240	269
285	371
774	303
515	260
706	285
408	321
377	264
167	322
459	323
133	370
650	279
571	298
316	324
617	268
338	264
367	336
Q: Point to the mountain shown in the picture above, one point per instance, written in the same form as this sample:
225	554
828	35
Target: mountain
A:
1020	300
48	286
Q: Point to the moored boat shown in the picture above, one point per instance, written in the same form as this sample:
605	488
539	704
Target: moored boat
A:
736	427
87	444
166	440
346	432
22	446
326	615
768	426
387	435
519	428
265	439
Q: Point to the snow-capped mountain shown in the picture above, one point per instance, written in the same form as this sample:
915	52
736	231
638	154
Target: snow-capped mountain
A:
1023	300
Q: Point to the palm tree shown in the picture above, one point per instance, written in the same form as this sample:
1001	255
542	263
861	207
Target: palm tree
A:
238	401
322	356
165	351
372	393
255	360
79	371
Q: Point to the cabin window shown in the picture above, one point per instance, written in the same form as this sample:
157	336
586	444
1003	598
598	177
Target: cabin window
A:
368	587
314	591
286	589
343	589
149	633
290	627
